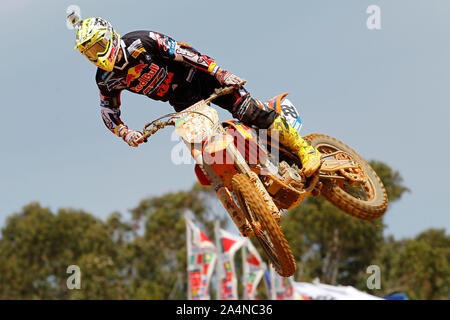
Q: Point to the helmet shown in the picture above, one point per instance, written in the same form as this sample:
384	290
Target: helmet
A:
98	41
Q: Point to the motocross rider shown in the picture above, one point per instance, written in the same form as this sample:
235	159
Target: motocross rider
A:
155	65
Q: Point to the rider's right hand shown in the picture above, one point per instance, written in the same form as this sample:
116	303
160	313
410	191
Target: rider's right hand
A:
133	137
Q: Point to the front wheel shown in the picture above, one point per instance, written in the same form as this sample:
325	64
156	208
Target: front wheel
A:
361	194
266	230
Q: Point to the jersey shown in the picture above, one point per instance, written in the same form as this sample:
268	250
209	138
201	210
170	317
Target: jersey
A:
154	65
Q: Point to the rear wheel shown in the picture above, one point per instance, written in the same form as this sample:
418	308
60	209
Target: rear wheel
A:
267	231
361	194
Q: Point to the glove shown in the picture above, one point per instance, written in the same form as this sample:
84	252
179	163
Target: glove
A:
132	137
227	78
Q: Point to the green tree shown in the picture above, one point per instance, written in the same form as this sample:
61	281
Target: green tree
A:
144	257
159	254
332	246
37	246
418	267
392	180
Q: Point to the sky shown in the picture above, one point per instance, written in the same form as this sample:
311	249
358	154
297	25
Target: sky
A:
383	92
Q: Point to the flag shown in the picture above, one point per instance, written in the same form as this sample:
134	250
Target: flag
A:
281	288
202	256
227	244
253	268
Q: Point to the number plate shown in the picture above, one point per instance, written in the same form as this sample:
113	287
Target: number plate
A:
291	114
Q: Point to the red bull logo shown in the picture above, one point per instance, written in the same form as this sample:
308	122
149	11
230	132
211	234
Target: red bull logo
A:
134	73
146	78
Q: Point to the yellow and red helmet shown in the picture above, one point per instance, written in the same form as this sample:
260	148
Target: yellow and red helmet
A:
98	41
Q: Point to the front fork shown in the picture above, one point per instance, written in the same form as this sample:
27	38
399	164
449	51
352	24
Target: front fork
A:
242	167
225	196
233	210
227	201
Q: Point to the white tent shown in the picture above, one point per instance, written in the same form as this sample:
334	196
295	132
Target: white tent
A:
319	291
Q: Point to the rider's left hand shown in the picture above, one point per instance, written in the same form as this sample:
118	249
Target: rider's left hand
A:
227	78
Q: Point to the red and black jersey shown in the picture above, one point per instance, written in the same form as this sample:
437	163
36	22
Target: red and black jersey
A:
154	65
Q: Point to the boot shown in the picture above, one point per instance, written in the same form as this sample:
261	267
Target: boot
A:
291	139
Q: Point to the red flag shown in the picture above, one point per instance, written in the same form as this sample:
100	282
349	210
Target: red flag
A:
252	259
227	243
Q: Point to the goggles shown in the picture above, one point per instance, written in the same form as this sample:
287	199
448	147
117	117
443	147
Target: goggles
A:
97	50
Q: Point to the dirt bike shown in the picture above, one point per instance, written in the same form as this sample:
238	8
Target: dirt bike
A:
255	186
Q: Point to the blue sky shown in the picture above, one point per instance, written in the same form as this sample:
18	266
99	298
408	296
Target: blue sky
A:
383	92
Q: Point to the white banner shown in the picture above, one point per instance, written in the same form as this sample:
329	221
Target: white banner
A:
319	291
281	288
201	257
227	244
253	268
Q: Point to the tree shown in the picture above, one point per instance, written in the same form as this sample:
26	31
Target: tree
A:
117	259
159	254
37	246
392	180
332	246
144	257
418	267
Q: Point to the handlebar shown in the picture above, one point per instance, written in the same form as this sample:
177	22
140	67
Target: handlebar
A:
158	124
